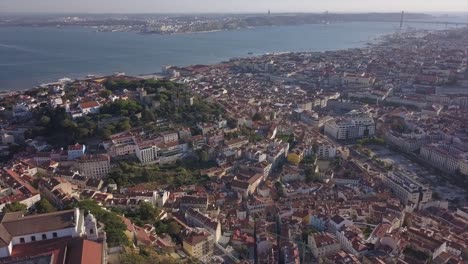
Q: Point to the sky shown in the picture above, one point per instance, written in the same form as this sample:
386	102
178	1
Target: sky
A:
230	6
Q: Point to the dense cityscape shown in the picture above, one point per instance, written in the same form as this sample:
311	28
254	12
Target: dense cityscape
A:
348	156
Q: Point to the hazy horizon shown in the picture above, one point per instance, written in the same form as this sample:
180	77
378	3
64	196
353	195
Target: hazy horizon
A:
227	13
230	7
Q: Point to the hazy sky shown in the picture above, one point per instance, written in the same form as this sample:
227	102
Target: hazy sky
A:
230	6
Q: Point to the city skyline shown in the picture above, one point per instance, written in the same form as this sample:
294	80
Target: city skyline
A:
245	131
241	6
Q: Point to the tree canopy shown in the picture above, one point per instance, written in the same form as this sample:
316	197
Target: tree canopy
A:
121	108
173	175
15	207
44	206
149	256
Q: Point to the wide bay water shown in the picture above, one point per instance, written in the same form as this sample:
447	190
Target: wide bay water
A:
30	56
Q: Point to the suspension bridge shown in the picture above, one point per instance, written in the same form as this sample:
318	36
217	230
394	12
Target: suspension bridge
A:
436	22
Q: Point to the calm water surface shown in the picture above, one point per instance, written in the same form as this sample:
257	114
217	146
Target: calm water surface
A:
30	56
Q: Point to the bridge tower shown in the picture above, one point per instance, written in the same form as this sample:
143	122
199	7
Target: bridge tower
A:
402	19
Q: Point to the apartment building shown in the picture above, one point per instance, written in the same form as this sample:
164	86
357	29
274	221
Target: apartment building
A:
350	128
121	145
323	244
94	166
169	137
198	243
352	240
57	190
407	143
147	152
326	151
16	189
75	151
195	202
196	219
407	189
445	157
361	80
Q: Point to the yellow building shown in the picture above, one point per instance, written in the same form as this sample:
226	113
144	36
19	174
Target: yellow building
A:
296	156
198	243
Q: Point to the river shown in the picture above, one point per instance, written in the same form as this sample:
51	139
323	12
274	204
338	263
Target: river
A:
30	56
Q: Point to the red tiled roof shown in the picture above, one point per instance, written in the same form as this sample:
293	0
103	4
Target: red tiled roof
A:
75	147
91	104
84	252
55	247
62	250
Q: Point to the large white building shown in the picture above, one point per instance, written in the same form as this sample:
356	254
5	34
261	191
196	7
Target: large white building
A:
17	229
352	127
156	198
326	150
164	148
122	144
94	166
171	152
361	80
406	142
445	157
407	189
147	152
160	152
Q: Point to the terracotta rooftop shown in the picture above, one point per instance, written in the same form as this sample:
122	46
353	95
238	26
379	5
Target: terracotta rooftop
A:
87	105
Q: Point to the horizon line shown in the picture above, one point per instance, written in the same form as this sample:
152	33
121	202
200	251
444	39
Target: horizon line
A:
233	13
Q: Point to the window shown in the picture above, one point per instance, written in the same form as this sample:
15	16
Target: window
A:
55	235
91	231
33	238
44	236
22	240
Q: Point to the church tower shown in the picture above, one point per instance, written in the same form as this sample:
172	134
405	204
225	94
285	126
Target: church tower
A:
91	227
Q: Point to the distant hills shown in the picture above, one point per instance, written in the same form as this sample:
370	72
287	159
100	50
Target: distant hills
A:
167	24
